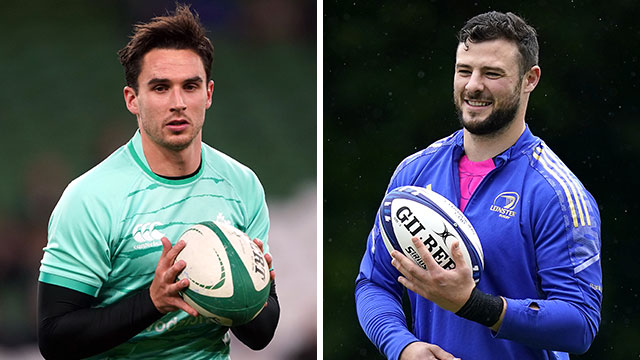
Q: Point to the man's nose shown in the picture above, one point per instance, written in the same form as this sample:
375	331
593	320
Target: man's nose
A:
475	83
177	100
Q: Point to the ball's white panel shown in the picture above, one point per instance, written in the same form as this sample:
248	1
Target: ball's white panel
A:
412	211
463	224
212	252
411	219
208	268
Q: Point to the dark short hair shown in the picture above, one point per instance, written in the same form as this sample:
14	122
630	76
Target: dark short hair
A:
180	30
496	25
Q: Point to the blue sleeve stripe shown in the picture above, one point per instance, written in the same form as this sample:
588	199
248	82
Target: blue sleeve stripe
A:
573	183
586	263
564	179
564	186
576	185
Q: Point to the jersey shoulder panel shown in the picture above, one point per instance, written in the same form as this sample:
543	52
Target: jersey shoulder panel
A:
407	170
78	252
576	201
244	184
228	167
578	207
105	180
102	189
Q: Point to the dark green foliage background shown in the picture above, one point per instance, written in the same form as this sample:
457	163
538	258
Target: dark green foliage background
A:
388	71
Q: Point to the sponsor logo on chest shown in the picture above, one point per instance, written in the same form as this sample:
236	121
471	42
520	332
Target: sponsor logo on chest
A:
146	235
505	203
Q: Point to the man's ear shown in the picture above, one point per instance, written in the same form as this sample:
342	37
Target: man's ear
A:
531	79
131	100
209	93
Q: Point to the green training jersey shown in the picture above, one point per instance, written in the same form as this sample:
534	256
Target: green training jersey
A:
105	231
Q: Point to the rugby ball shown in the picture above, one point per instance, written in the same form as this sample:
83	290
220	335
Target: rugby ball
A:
410	211
228	275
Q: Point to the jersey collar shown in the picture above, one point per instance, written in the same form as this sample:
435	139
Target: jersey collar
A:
135	149
524	142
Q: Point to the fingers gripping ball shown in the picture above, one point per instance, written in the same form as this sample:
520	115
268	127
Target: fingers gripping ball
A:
410	211
228	274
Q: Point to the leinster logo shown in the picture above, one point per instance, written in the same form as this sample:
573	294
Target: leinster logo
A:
505	203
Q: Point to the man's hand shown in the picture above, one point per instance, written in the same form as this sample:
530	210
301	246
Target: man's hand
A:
425	351
449	289
267	257
164	290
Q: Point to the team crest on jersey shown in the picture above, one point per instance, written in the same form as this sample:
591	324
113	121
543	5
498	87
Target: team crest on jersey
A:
146	235
220	218
505	203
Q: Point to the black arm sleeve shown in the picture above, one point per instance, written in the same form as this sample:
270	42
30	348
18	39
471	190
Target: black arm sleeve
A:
257	333
68	328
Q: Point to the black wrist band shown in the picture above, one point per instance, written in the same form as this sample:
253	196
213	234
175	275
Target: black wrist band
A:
482	308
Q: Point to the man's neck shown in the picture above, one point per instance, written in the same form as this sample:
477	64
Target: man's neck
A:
172	163
483	147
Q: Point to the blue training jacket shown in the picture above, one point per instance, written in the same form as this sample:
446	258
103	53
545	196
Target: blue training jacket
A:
540	233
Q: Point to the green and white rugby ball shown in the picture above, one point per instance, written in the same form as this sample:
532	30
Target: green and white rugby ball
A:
228	275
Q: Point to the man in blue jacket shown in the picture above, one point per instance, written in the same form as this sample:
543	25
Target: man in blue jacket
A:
541	290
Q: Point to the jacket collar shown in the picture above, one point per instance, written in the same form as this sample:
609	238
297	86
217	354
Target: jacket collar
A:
524	142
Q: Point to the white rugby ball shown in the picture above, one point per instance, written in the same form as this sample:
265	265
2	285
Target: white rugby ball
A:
410	211
228	275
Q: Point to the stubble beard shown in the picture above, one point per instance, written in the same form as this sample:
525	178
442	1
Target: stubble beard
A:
498	120
171	142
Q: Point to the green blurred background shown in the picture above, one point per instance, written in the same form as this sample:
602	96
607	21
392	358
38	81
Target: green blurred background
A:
388	73
62	111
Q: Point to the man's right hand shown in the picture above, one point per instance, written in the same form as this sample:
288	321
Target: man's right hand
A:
425	351
164	291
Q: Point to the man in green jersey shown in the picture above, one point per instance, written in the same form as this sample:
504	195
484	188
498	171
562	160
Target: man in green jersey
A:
107	281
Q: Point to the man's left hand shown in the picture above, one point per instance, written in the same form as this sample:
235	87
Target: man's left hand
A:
449	289
267	257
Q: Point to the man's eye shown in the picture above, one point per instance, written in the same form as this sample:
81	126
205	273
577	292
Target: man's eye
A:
493	75
159	88
464	72
191	87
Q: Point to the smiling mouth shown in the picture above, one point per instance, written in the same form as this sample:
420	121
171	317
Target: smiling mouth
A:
477	103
